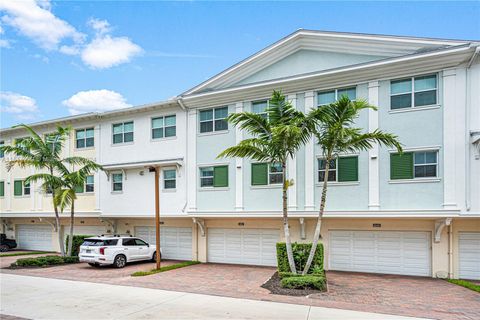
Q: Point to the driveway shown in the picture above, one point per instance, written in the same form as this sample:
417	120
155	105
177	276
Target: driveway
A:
400	295
23	296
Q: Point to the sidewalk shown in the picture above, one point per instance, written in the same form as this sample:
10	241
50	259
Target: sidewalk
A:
42	298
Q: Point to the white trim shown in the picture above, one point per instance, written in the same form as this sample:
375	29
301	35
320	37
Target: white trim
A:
373	153
415	180
422	108
292	167
309	159
238	164
414	149
338	183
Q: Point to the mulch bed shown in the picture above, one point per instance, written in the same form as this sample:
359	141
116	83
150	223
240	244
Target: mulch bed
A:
273	285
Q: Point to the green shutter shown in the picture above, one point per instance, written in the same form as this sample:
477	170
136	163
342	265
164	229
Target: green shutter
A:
348	169
259	174
79	189
17	188
2	188
401	166
220	176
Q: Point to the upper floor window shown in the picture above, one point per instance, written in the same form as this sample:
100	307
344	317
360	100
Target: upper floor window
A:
169	179
330	96
19	142
2	188
123	132
342	169
260	107
84	138
89	186
213	119
413	92
21	188
215	176
52	142
266	174
411	165
2	153
117	182
163	127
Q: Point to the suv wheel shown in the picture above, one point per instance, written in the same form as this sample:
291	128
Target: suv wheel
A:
120	261
4	248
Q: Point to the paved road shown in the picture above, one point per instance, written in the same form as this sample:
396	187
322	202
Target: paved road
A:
42	298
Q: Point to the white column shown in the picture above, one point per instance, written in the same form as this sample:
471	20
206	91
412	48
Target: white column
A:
238	165
292	168
8	185
454	126
373	167
191	160
309	155
33	192
99	176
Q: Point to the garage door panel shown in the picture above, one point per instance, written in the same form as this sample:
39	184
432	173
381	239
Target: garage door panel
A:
176	242
242	246
469	255
380	252
34	237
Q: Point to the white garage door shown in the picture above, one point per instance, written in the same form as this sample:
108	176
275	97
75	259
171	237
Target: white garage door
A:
243	246
176	243
84	231
469	255
34	237
390	252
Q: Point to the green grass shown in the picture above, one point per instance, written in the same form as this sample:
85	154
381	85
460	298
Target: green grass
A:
23	253
163	269
44	261
466	284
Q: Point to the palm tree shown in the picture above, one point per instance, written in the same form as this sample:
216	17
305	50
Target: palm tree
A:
274	139
41	154
336	135
68	182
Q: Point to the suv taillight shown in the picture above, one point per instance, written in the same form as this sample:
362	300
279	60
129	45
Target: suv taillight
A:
102	250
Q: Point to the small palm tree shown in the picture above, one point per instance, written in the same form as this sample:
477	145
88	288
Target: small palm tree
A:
41	154
274	139
336	135
68	182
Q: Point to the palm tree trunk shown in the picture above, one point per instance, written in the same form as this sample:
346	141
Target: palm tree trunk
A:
288	242
70	236
57	221
316	236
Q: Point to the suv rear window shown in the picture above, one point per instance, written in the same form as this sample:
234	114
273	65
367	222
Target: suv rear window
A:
98	242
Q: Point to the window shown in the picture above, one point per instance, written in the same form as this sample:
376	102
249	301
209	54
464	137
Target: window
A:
2	188
214	176
88	187
260	107
2	153
129	242
163	127
169	179
139	242
266	174
117	182
51	140
213	119
327	97
99	243
84	138
19	142
123	132
411	165
342	169
413	92
20	188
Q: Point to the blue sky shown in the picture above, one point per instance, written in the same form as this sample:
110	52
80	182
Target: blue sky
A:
68	57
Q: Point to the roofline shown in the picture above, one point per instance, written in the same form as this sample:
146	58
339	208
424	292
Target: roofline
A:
386	61
329	33
93	115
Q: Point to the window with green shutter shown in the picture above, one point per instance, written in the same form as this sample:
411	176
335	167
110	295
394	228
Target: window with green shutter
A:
401	166
259	174
348	169
2	188
220	176
17	188
79	189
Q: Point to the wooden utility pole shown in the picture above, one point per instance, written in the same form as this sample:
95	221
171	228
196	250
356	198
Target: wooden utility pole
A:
157	215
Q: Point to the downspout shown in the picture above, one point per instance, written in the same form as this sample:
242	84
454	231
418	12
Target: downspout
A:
450	251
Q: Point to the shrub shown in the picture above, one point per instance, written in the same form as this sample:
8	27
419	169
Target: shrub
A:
77	242
300	254
43	261
304	282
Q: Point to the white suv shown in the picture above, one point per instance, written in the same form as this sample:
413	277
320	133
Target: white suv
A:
116	250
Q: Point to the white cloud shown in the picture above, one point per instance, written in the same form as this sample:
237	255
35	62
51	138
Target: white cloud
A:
4	43
95	101
35	20
106	51
100	26
22	107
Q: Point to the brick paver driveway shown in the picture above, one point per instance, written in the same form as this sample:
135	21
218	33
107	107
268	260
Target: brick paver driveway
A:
407	296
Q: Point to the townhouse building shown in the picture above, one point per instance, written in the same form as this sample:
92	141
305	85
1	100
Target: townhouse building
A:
418	214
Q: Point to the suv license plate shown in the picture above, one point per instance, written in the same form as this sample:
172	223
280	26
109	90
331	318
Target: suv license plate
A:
88	251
